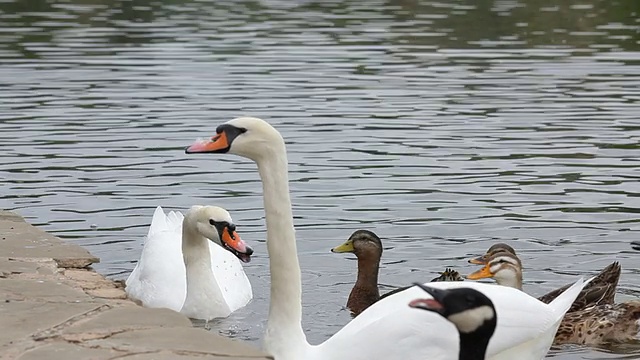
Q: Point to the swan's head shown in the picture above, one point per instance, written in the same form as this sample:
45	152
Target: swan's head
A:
215	224
468	309
245	136
494	249
363	243
504	267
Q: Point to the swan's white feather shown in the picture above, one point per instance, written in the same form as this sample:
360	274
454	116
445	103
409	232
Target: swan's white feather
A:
526	327
159	278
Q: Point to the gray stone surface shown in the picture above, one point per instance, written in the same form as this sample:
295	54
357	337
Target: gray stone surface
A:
10	266
20	239
54	308
25	318
66	351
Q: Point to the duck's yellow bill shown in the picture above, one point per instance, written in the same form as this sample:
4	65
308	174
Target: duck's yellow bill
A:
346	247
483	273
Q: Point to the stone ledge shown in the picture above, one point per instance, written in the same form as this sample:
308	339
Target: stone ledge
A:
56	308
19	239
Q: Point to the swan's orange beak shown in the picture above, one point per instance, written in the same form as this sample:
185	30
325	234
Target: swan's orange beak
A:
232	239
217	143
236	245
483	273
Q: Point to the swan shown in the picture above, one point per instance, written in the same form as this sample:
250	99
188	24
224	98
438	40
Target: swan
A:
191	264
388	329
469	310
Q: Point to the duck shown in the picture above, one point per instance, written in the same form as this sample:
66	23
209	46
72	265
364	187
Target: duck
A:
469	310
367	247
598	323
388	329
601	290
192	264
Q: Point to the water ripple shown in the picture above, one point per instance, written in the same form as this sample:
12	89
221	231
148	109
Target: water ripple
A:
444	127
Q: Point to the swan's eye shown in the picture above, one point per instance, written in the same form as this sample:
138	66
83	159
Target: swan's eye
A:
212	222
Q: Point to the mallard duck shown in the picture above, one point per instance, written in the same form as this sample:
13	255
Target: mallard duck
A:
601	290
593	324
367	247
387	329
469	310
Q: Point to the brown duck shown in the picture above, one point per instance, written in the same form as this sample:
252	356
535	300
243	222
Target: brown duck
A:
367	247
597	321
601	290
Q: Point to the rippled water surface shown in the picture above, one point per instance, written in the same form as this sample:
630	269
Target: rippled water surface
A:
442	126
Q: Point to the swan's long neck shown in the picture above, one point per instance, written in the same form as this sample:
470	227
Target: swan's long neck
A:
284	337
204	296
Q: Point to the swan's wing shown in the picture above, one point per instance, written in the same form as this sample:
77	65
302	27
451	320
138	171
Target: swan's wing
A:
401	334
230	275
526	327
159	278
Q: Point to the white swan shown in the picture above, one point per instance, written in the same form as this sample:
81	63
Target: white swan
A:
389	329
180	269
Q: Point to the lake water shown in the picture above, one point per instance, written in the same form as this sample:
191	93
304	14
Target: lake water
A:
442	126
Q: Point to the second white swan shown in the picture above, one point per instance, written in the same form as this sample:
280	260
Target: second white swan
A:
191	264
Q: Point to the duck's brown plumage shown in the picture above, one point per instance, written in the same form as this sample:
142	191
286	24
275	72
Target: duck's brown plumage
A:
600	291
601	324
365	292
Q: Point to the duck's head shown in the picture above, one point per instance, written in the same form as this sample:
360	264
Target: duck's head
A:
363	243
250	137
215	224
468	309
494	249
504	267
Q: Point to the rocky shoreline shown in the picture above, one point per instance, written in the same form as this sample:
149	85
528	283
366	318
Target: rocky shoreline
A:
54	306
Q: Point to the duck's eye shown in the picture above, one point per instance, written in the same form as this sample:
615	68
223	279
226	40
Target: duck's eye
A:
212	222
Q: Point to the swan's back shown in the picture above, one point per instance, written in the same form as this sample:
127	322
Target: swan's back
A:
158	280
525	330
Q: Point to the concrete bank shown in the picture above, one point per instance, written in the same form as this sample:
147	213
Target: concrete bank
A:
52	306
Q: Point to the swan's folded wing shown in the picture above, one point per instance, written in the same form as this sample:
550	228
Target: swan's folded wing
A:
404	334
172	221
158	279
231	278
525	326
